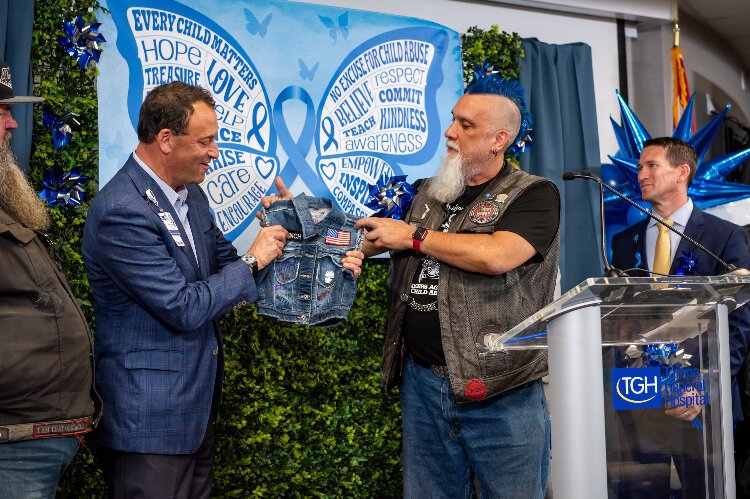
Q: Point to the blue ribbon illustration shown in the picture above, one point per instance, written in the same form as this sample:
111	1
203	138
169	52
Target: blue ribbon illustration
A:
328	129
297	151
255	130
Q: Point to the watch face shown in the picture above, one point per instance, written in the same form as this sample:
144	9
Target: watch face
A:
419	234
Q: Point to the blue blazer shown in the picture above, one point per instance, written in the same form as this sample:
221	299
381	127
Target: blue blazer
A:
157	347
723	238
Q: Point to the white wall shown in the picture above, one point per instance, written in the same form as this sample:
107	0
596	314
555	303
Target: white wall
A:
626	9
558	28
650	78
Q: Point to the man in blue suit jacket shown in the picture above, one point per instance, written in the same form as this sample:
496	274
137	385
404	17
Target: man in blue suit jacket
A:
161	274
665	169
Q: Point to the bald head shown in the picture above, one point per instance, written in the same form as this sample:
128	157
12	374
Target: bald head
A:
508	116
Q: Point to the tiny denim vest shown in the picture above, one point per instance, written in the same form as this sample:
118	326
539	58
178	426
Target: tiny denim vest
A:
308	284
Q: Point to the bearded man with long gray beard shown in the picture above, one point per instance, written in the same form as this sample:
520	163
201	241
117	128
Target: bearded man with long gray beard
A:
477	253
45	366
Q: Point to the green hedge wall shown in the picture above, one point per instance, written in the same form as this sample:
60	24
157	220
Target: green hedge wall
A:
303	414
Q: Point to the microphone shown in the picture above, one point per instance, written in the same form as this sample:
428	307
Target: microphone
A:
609	270
587	175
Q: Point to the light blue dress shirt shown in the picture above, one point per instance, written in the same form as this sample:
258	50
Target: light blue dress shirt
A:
680	219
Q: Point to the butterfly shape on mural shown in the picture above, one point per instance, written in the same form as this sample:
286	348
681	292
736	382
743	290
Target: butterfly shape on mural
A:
378	111
253	26
307	73
335	28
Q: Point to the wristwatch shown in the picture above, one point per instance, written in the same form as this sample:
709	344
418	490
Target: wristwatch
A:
417	237
251	262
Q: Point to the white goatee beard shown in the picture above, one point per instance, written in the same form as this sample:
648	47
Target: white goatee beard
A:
450	181
17	196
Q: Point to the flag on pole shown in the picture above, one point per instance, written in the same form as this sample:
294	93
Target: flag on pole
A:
681	92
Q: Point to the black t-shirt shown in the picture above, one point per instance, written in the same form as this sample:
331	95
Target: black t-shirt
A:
533	215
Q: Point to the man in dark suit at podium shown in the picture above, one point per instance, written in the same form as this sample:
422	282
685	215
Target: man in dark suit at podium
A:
665	169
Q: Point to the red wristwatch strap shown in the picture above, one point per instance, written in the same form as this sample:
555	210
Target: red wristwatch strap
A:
416	244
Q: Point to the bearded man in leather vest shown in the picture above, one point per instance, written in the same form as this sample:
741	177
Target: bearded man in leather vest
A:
477	253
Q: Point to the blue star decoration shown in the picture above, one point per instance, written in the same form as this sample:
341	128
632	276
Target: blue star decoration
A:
708	188
63	188
81	42
391	197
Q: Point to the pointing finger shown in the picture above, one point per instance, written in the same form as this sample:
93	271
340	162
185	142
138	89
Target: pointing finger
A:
284	193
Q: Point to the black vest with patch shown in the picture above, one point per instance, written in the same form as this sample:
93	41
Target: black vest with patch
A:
471	304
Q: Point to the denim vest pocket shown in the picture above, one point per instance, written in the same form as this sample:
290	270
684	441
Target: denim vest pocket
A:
285	282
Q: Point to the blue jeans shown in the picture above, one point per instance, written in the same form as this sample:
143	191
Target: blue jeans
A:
503	443
31	469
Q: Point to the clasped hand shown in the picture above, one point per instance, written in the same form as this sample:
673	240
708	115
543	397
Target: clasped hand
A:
686	412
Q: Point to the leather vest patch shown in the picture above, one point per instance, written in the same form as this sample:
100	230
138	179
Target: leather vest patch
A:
484	212
475	389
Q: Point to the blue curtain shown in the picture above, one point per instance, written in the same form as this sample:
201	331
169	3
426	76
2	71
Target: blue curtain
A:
559	85
16	25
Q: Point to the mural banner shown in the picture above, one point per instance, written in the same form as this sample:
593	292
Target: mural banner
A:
330	99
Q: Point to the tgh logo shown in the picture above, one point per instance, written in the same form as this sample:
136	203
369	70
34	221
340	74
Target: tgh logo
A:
636	388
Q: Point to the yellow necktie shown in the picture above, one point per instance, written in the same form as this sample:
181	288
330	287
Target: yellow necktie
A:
663	253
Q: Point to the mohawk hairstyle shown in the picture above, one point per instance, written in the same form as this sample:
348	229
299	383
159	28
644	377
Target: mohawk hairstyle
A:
494	84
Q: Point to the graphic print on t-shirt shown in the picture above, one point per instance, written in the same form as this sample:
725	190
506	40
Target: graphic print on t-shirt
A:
424	287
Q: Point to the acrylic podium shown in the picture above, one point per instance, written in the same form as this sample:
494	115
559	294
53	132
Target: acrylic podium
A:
622	351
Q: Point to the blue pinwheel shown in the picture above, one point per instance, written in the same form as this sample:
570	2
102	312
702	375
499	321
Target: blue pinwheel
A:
81	42
63	188
391	197
60	125
687	263
484	69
